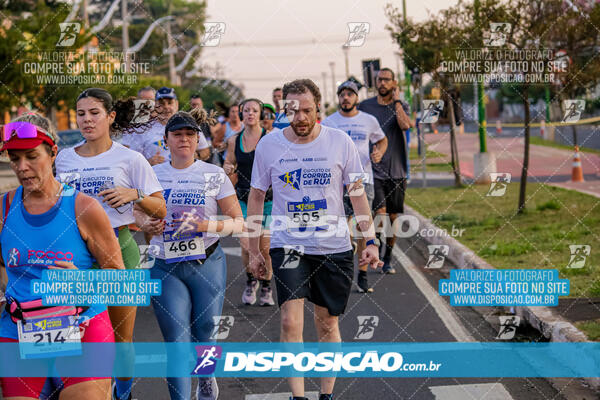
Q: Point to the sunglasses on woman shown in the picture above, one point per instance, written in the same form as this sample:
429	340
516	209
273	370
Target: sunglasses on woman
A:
23	130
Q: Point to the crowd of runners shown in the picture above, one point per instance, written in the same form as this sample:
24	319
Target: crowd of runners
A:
297	189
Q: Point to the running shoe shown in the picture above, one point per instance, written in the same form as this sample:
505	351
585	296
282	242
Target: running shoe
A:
266	297
249	296
388	269
363	284
326	396
207	389
114	393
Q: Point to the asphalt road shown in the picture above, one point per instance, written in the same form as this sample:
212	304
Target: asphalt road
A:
406	312
409	310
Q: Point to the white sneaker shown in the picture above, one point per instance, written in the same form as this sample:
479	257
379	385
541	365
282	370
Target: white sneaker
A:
266	297
249	295
207	389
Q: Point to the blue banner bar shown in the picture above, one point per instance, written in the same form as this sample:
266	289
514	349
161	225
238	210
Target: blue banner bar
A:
314	360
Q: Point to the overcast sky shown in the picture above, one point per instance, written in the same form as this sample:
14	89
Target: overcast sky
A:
267	43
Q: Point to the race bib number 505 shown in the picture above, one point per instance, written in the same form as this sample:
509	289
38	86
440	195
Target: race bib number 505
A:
306	214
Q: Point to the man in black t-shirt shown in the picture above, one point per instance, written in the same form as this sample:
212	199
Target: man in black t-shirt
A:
390	173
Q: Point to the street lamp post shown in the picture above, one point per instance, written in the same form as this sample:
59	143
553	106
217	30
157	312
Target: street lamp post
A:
332	66
125	32
324	76
407	76
346	50
484	162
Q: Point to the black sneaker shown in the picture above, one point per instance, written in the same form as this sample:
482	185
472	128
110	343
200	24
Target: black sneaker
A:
363	284
326	396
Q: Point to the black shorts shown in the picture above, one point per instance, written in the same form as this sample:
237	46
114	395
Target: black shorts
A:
324	280
389	193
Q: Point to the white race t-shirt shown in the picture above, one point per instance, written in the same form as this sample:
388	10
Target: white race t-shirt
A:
119	166
135	139
362	129
308	181
154	140
194	189
131	140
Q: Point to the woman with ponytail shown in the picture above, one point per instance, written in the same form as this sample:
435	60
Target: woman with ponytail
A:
118	178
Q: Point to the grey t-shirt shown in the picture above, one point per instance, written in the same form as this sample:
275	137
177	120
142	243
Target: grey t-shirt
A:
394	161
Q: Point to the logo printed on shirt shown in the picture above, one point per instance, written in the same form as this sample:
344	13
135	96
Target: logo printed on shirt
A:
48	257
357	136
161	144
13	258
292	178
71	179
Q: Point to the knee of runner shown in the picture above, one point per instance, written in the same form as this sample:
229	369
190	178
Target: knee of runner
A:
326	323
291	325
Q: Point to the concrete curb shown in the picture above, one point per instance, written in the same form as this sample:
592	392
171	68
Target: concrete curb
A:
552	326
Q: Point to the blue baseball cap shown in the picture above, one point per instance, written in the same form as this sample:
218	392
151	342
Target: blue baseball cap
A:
165	93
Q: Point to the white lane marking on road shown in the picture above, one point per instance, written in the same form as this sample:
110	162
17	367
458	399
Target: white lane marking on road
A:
443	309
233	251
279	396
487	391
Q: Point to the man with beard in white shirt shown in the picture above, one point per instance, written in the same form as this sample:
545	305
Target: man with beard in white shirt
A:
308	165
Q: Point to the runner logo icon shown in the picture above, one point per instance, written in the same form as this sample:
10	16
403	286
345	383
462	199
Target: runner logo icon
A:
579	253
289	107
499	184
148	255
213	31
71	180
357	33
508	327
357	189
432	110
143	109
213	182
223	324
13	257
292	179
291	256
366	326
573	110
437	255
68	33
499	31
207	359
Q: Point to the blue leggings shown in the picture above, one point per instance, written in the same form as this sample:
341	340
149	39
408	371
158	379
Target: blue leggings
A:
192	294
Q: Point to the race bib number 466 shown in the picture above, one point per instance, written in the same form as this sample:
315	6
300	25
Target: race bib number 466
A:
182	242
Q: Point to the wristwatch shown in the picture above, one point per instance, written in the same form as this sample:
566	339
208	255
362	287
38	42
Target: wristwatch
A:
141	196
375	242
